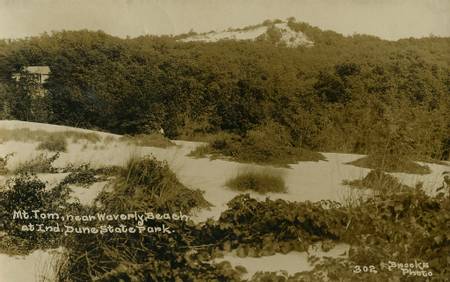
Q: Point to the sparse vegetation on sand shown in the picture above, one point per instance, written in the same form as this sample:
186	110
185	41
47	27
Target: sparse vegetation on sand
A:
391	164
56	144
42	163
28	135
144	184
262	182
266	144
248	227
148	140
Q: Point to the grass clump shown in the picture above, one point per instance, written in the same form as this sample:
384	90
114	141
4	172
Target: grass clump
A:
58	144
269	143
261	182
147	182
391	164
377	180
148	140
40	164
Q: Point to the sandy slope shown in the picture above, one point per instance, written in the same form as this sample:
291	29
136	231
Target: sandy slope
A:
37	266
313	181
289	37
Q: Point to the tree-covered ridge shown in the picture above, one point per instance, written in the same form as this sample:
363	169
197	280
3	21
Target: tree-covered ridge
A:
346	93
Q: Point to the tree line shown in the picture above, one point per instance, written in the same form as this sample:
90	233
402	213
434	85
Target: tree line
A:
346	93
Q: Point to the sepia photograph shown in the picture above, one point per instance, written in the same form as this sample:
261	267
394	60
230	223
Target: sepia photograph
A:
224	140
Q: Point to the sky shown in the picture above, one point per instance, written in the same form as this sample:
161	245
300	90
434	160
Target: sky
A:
388	19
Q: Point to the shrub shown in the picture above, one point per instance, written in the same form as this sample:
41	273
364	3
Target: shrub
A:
4	163
40	164
377	180
269	143
83	175
391	164
58	144
258	181
28	193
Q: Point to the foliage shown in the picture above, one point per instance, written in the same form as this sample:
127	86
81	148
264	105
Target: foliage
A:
144	184
4	162
266	144
42	163
28	193
83	175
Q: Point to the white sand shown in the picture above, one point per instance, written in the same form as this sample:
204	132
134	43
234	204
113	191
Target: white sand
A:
35	267
288	36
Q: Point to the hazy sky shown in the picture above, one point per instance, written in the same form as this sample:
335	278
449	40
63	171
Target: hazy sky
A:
389	19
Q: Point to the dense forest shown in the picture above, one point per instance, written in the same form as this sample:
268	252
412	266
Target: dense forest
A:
346	93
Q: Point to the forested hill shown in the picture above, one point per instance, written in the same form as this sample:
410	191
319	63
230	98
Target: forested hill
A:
353	94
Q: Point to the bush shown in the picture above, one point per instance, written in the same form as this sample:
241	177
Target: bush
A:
83	175
377	180
28	193
40	164
54	145
391	164
4	162
258	181
269	143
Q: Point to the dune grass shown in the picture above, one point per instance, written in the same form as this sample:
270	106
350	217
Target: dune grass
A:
262	182
56	144
148	140
28	135
147	182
